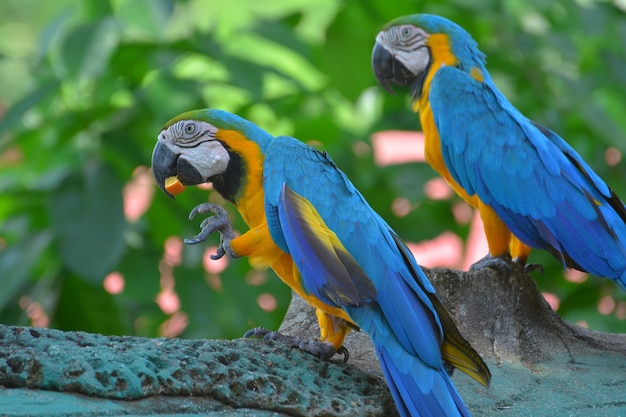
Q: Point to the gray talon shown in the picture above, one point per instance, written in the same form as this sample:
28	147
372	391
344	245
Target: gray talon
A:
220	222
220	253
499	263
346	354
256	333
529	268
322	350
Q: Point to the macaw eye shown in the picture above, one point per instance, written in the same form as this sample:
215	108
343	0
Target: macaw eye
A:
406	32
190	128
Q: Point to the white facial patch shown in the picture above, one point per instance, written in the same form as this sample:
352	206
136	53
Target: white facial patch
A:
407	43
195	142
210	158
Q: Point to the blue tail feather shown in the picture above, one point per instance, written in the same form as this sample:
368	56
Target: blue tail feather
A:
418	389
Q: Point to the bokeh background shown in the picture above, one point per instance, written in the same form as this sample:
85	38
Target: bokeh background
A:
88	243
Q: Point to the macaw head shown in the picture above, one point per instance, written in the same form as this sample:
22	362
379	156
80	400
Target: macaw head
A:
407	46
198	146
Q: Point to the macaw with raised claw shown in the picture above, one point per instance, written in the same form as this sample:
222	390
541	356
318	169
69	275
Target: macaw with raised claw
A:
308	222
531	188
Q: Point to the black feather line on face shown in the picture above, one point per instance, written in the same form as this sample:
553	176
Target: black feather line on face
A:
230	183
418	84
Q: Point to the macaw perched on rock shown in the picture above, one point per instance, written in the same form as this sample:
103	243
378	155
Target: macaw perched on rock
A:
309	223
531	188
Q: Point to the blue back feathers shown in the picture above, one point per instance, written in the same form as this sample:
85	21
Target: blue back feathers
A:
546	194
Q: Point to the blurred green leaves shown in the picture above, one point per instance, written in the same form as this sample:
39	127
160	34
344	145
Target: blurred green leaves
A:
15	272
89	228
89	84
87	48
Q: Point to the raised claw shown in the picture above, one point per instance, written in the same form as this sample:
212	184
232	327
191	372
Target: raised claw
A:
220	253
200	237
219	222
205	208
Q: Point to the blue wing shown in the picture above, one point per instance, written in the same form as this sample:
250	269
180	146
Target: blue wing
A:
537	184
348	257
399	285
321	258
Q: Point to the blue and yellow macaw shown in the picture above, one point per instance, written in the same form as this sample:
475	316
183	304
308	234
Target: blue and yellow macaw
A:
308	222
531	188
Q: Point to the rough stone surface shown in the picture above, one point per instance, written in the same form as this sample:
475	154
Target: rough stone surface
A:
238	373
541	365
506	317
30	402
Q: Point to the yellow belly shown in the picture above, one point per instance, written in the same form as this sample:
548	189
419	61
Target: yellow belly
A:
499	238
258	246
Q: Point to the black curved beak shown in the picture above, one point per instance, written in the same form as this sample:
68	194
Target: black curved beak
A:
382	64
164	165
388	69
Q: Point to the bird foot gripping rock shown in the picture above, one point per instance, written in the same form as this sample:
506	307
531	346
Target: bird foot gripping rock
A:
317	348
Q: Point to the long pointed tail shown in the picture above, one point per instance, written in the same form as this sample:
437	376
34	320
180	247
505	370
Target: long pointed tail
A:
417	388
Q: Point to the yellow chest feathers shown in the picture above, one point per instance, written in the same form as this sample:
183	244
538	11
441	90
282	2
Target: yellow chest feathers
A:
441	55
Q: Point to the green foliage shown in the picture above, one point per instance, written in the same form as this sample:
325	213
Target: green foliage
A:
78	214
87	86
